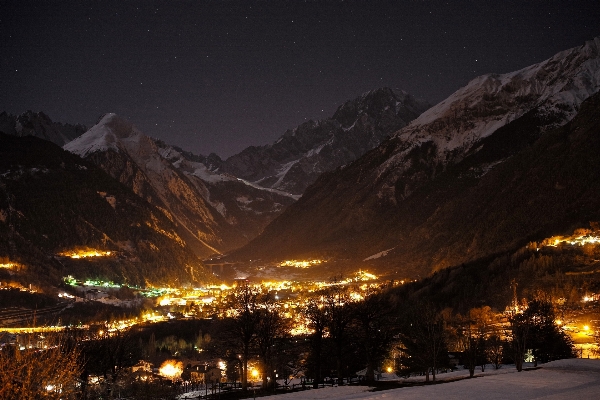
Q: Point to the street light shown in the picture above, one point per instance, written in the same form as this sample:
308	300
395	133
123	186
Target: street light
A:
254	376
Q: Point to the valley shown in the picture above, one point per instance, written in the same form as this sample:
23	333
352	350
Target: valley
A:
390	235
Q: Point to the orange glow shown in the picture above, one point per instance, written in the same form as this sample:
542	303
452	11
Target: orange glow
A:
171	369
579	240
300	264
85	253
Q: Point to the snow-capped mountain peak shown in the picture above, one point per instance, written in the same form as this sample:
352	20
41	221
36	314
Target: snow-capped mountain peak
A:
302	154
201	202
491	101
110	133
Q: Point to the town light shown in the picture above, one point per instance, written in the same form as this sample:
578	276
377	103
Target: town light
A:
171	369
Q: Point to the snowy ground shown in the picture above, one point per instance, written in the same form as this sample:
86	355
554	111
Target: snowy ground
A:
564	379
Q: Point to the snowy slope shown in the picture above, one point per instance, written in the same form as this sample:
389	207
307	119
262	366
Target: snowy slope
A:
555	88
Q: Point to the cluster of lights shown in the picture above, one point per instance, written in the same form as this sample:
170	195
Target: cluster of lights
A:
300	264
85	253
579	240
171	369
153	317
360	276
277	285
213	296
9	265
588	298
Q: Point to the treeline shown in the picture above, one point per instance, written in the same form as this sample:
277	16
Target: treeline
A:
52	201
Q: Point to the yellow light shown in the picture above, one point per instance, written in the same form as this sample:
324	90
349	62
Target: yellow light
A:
254	373
165	301
389	369
558	322
171	369
78	253
586	328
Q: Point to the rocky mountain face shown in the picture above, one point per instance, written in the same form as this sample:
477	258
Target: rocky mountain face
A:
296	159
61	215
213	212
39	125
492	166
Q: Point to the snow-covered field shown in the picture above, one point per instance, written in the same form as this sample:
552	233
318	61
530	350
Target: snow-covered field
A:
563	379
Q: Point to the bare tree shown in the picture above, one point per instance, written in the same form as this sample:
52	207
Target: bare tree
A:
374	326
495	349
423	339
338	306
244	304
270	328
472	332
30	373
317	321
519	331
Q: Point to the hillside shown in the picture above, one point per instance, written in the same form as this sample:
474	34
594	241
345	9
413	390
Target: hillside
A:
61	215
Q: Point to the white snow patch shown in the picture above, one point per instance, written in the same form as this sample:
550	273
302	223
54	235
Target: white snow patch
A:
280	192
558	380
202	172
283	171
379	255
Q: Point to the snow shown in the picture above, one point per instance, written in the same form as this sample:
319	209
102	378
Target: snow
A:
556	86
283	171
318	149
99	138
201	171
379	255
280	192
557	380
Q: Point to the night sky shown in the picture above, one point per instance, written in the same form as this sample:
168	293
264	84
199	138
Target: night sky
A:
219	76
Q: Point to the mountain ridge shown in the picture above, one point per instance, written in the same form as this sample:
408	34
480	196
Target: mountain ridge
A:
40	125
213	212
387	201
301	154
